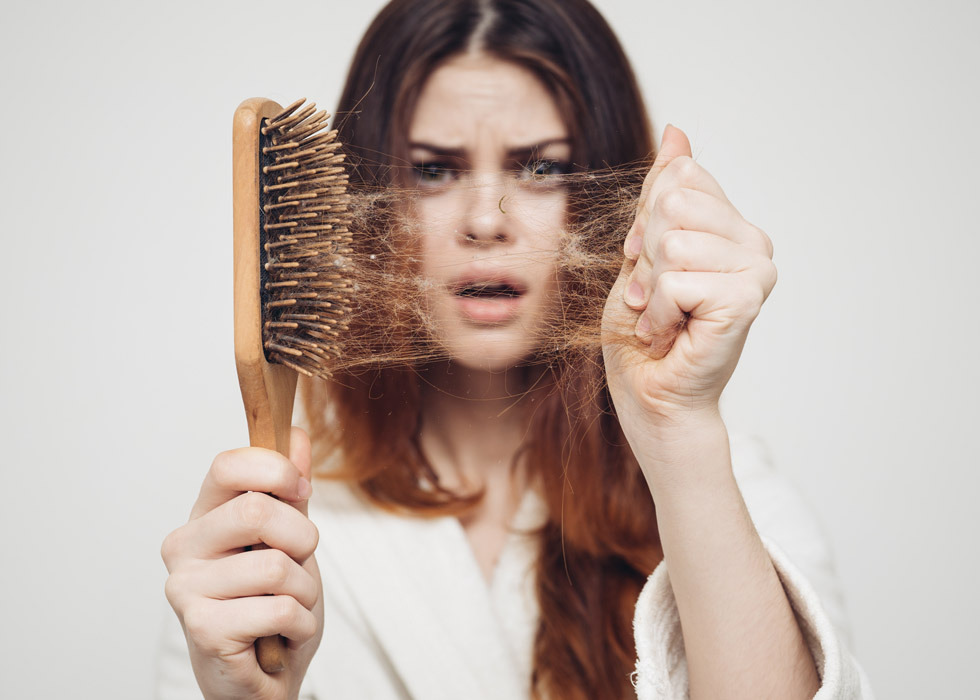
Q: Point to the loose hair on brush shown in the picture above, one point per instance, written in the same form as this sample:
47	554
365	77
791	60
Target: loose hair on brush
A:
600	541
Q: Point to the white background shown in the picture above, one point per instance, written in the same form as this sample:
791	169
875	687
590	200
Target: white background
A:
847	130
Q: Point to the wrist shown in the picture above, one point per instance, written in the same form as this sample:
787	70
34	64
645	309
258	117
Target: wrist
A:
681	424
684	453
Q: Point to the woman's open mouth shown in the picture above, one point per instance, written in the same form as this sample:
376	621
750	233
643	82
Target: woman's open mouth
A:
494	300
488	290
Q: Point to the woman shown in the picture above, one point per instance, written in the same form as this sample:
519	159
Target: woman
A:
495	512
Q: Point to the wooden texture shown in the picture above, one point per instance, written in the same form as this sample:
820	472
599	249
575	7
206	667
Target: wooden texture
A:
268	390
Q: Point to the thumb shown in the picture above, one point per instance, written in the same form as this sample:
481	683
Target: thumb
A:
673	144
300	454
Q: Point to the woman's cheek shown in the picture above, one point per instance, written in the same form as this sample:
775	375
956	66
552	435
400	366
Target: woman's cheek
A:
540	211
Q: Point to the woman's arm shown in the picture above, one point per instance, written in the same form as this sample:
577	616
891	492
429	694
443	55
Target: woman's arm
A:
741	637
700	276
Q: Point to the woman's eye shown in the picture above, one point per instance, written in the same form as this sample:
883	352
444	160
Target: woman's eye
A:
543	169
432	173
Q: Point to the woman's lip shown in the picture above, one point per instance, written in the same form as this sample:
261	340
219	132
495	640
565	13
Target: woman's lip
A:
488	277
488	309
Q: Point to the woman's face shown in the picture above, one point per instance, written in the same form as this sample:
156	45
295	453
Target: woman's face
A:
488	146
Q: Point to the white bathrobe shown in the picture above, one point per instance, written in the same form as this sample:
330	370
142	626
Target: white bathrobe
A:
408	614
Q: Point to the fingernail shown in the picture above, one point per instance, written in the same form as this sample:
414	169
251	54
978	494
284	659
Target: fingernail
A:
634	294
643	327
634	244
304	489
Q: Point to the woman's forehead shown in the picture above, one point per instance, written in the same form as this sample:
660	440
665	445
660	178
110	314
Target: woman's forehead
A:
475	96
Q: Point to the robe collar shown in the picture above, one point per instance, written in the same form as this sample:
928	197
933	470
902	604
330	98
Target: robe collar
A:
420	590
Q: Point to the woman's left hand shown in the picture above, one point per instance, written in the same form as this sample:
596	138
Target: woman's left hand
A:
674	325
695	277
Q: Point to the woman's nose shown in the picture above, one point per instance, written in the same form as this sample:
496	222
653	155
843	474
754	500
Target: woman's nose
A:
485	218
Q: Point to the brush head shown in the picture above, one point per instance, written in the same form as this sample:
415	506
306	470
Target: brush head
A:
304	240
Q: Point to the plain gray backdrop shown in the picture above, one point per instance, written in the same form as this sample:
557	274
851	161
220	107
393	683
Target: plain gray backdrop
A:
847	130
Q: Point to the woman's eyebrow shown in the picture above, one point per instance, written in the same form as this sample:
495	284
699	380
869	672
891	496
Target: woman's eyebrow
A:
512	152
532	149
438	150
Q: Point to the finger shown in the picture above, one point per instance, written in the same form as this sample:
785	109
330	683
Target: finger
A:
230	626
697	251
249	519
681	172
301	455
673	143
686	209
663	318
726	299
250	469
253	573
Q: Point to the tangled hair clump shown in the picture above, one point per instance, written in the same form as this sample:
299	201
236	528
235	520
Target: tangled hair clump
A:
600	541
391	324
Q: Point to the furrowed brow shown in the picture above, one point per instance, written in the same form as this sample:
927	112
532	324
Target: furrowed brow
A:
532	149
437	150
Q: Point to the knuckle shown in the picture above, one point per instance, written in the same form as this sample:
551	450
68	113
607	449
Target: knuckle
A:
671	203
275	568
764	238
170	549
254	510
686	169
309	591
173	588
307	626
312	538
673	246
284	611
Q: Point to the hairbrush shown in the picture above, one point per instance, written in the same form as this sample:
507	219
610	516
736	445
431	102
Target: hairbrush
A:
291	246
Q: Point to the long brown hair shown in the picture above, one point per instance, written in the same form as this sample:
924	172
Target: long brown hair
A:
600	540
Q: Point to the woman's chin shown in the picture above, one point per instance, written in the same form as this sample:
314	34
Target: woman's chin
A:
494	354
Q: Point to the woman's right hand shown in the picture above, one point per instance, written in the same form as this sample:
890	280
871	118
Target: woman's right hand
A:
227	597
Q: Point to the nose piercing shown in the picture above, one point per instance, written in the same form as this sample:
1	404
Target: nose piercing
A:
500	205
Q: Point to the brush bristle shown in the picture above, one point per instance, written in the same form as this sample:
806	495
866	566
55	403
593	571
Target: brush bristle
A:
305	240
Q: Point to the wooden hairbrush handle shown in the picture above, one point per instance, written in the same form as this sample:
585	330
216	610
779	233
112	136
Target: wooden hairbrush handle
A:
268	405
268	389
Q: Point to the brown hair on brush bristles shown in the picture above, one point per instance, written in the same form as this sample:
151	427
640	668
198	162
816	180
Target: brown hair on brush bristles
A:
600	541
